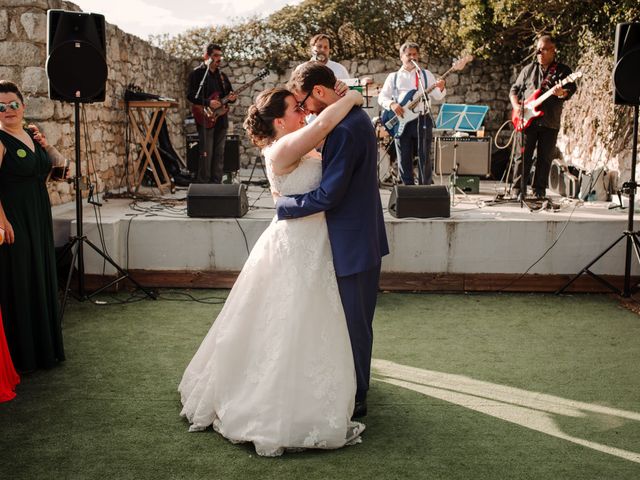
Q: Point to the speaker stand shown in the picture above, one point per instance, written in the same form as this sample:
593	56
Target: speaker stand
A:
78	241
631	236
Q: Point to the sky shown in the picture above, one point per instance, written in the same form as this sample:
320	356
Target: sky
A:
153	17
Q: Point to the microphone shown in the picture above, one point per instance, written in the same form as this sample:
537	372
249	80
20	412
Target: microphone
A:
208	61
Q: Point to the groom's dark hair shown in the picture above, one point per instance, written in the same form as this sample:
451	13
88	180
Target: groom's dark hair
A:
308	75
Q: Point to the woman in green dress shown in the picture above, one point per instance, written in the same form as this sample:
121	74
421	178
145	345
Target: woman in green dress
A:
28	282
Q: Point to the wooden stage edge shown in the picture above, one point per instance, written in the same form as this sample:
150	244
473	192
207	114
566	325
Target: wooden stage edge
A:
389	281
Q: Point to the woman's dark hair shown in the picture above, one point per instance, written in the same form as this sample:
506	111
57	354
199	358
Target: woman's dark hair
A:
269	105
7	86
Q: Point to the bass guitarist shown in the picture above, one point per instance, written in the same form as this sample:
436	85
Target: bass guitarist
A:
209	90
418	133
541	134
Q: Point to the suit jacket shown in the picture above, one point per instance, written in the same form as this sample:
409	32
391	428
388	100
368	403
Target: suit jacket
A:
349	196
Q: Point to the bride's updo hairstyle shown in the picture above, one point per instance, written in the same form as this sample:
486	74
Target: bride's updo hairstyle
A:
269	105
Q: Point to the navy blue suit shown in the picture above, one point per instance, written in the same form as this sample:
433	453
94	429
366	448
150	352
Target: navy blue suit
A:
349	196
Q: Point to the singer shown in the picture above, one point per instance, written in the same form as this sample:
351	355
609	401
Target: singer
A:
398	89
321	52
209	91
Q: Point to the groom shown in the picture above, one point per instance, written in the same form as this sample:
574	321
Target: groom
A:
349	196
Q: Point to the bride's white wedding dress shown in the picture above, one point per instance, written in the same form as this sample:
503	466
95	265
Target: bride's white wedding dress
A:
276	368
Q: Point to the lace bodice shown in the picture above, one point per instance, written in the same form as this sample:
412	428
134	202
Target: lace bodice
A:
303	179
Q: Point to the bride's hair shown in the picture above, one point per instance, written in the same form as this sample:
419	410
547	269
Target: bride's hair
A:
269	105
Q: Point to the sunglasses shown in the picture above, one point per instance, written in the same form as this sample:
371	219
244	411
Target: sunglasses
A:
300	106
12	105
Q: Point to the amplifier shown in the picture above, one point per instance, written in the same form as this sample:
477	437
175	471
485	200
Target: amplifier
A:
472	154
231	153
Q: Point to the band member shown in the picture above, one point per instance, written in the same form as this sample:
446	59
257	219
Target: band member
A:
541	134
321	52
418	133
209	89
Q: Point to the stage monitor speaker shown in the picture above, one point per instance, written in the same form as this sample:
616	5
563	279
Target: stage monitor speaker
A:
419	201
217	200
76	56
232	154
627	64
472	154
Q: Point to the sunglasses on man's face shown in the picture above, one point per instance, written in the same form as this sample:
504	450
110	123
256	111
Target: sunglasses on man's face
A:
12	105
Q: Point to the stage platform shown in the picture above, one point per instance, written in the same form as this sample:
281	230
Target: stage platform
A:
485	245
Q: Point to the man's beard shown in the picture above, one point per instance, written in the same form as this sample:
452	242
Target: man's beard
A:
319	57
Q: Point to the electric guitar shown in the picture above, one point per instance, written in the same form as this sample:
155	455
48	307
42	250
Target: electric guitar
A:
207	116
411	102
522	121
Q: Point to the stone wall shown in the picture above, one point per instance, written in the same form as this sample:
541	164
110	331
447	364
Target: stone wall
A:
23	53
596	133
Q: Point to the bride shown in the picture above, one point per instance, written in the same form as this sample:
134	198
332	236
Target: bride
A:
276	367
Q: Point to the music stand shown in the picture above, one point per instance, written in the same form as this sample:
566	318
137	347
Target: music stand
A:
459	118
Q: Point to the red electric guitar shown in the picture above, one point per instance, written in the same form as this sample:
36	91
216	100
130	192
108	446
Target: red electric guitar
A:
208	116
521	122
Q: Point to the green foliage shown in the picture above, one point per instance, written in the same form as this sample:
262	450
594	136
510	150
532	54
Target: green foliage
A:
359	29
507	28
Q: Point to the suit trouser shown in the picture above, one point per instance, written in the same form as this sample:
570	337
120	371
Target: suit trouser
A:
418	133
211	160
542	140
359	293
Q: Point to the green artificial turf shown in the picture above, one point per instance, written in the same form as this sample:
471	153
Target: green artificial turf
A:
112	409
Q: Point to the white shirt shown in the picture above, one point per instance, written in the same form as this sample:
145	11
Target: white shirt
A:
338	70
405	80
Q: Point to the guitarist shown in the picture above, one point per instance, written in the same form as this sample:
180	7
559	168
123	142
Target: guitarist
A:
418	133
541	134
215	86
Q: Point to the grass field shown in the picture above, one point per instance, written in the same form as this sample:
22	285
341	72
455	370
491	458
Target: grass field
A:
464	387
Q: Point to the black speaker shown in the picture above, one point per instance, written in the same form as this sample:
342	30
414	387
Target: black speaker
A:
76	56
419	201
217	200
232	154
627	64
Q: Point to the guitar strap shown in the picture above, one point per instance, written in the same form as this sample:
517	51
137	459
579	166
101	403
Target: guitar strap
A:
547	77
395	95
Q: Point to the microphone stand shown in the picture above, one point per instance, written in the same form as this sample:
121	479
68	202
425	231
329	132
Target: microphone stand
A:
422	118
523	183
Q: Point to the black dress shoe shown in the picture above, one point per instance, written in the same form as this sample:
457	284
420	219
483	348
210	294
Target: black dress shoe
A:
360	409
541	194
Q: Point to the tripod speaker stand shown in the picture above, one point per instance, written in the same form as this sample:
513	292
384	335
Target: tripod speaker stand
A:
626	92
74	39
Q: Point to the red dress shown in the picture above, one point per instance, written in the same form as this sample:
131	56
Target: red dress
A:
8	376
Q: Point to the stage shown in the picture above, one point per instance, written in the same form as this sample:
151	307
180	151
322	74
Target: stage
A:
485	245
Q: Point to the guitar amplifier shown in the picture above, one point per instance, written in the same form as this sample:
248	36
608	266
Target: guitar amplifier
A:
231	153
472	154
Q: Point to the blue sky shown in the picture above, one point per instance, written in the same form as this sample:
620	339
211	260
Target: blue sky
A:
147	17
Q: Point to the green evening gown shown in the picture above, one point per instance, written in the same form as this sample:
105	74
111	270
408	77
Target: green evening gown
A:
28	281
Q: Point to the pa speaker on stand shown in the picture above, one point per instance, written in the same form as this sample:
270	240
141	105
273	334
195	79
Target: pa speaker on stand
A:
76	62
77	71
626	92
